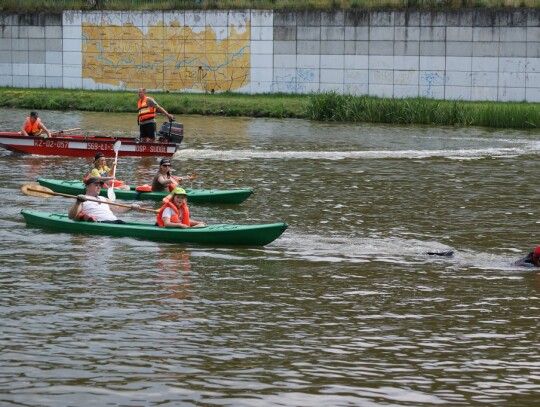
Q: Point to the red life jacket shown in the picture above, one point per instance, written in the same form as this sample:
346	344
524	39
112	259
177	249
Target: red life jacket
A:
32	129
175	218
145	112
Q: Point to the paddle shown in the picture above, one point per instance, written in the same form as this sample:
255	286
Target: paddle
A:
44	192
110	192
184	178
65	131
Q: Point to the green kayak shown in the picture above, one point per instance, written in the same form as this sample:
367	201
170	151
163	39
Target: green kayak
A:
224	196
236	235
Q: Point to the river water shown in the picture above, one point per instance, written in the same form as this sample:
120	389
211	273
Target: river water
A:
345	309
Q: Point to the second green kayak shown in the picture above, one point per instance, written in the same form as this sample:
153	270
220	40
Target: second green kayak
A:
223	196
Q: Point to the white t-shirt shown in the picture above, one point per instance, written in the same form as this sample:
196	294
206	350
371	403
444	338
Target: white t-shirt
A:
167	213
101	211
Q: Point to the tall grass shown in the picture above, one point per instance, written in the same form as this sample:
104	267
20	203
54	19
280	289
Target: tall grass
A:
321	107
346	108
511	115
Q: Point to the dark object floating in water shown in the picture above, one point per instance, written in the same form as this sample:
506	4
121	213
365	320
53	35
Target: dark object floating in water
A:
448	253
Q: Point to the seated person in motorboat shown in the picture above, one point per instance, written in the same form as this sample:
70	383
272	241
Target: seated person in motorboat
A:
33	126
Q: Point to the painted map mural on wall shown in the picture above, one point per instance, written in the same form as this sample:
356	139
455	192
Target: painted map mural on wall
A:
165	51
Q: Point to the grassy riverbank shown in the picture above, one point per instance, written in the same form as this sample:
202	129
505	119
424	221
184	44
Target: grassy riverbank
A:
321	107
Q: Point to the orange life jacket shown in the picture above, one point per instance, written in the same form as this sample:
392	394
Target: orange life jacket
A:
144	188
115	182
175	218
145	112
32	129
173	184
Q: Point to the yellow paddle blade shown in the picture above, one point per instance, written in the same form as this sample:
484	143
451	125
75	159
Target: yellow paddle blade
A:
37	190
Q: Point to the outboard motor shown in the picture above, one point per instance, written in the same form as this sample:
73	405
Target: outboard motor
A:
172	132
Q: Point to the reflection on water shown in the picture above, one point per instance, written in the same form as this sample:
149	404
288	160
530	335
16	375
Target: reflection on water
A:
173	273
346	308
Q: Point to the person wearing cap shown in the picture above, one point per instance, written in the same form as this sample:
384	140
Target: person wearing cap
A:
91	211
147	108
163	181
101	170
531	260
175	213
33	126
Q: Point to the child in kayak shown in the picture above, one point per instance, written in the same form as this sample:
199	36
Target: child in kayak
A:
101	170
175	213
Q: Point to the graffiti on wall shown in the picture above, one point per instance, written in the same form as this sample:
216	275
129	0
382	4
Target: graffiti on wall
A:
169	56
430	80
293	83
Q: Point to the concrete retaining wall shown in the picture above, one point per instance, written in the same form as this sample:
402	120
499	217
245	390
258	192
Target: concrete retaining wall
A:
480	54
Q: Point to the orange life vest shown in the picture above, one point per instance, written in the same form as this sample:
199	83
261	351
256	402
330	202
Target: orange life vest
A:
32	129
173	184
117	183
175	218
144	188
145	112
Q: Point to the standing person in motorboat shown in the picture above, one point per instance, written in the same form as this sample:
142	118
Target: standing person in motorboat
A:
163	180
33	126
175	213
101	170
146	120
92	211
531	260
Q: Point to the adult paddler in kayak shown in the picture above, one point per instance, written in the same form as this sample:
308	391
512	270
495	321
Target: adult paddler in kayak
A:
531	260
92	211
163	181
175	213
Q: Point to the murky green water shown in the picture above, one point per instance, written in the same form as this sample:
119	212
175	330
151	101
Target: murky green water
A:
344	309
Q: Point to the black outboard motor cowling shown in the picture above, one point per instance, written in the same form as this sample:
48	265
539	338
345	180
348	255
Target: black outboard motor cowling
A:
172	132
